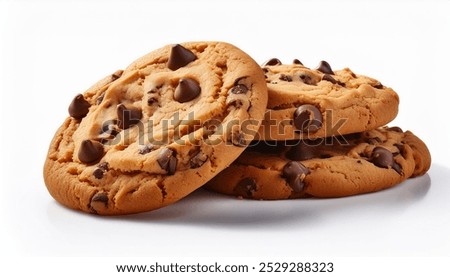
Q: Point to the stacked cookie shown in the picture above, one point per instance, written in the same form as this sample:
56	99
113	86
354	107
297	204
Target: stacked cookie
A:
201	113
323	136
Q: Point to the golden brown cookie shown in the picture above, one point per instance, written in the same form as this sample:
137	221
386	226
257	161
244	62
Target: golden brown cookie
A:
147	136
332	167
309	103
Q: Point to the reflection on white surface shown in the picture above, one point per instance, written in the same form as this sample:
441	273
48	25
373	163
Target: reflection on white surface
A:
410	219
206	208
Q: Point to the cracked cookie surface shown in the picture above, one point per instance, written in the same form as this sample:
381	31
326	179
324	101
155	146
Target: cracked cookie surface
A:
333	167
147	136
309	103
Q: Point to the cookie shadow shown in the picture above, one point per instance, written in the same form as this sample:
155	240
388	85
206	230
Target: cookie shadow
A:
209	209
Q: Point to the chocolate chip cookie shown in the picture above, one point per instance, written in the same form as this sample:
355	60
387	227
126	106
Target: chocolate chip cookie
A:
327	167
309	103
147	136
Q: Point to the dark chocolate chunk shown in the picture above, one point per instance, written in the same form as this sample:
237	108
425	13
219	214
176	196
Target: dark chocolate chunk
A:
307	79
238	87
285	77
152	100
116	75
273	61
100	197
110	128
325	67
128	117
238	139
395	129
90	151
198	159
397	167
301	152
179	57
237	103
167	160
297	61
186	90
400	147
381	157
79	107
295	173
378	86
104	166
100	99
307	118
98	173
146	149
327	77
246	187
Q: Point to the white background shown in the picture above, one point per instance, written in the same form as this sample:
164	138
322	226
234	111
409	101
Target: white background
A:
52	50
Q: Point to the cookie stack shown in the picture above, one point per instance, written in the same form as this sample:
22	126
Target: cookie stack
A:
201	113
324	135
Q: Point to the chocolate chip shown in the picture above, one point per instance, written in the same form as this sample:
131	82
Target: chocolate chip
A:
238	87
79	107
110	128
297	61
400	147
186	90
238	139
116	75
100	197
90	151
167	160
237	103
325	67
179	57
273	61
146	149
295	173
378	86
397	167
307	79
100	171
382	157
128	117
301	152
395	129
307	118
151	101
330	79
286	78
100	99
246	187
198	159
